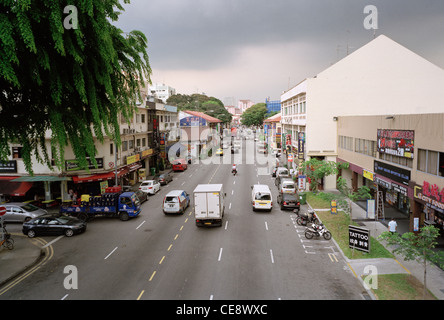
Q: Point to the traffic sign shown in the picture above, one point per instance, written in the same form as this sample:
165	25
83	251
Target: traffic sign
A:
2	211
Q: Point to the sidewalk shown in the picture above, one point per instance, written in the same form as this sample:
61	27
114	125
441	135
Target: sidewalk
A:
26	254
435	275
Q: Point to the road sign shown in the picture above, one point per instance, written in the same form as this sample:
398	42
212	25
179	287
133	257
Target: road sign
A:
359	238
290	157
2	211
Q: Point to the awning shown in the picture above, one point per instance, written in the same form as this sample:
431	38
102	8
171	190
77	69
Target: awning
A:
40	178
134	166
100	176
16	189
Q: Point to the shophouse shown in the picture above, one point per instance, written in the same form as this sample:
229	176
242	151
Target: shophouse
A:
199	132
273	131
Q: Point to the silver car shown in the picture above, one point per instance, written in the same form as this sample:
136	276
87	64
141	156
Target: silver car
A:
21	212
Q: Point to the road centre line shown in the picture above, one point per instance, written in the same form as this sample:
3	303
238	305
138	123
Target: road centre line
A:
271	254
226	224
266	225
220	254
152	276
161	260
110	253
229	206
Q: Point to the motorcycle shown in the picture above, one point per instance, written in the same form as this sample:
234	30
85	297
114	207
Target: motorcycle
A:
234	172
304	217
317	230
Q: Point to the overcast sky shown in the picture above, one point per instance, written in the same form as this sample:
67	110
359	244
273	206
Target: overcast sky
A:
254	49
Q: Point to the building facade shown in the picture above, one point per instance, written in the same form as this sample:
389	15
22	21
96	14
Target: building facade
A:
400	156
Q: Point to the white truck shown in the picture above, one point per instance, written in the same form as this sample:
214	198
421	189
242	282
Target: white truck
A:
209	204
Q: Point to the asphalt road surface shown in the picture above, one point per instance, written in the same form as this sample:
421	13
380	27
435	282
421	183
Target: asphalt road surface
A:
253	256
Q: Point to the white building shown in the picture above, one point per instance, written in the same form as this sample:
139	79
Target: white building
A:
381	78
161	91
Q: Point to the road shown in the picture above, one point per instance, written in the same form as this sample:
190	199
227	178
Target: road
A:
253	256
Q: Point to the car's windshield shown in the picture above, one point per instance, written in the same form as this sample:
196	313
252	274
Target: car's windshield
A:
29	207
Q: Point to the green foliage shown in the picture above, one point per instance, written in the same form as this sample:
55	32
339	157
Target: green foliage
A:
73	82
202	103
255	115
316	169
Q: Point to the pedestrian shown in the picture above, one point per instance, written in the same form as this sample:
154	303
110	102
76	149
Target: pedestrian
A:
392	226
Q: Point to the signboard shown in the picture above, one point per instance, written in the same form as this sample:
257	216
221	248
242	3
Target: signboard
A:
74	165
395	173
8	166
334	207
302	180
359	238
396	142
430	195
368	175
290	157
192	121
371	208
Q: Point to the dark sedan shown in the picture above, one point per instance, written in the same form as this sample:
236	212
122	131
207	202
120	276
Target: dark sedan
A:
164	178
50	225
288	201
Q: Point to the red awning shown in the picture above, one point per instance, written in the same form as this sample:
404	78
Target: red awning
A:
15	189
100	176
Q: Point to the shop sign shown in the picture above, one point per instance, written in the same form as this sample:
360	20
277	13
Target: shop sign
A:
394	173
430	195
400	189
301	143
8	166
396	142
132	159
359	238
192	121
146	153
368	175
383	183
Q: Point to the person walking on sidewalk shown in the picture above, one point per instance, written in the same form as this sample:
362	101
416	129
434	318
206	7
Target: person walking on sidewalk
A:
392	226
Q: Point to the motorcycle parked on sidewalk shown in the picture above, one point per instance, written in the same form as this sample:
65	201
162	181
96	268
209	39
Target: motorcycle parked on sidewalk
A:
304	217
318	230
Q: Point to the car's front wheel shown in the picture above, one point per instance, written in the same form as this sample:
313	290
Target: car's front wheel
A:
69	232
31	233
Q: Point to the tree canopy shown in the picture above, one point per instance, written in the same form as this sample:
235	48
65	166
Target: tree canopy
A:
72	82
255	115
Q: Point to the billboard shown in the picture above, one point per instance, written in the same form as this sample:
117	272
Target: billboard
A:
396	142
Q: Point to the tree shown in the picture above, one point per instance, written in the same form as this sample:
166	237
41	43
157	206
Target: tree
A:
416	247
255	115
362	193
316	169
74	82
199	102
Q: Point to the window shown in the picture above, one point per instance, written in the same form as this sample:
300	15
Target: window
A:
431	162
124	145
111	148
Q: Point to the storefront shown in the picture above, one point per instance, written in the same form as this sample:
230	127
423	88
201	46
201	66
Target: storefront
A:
429	205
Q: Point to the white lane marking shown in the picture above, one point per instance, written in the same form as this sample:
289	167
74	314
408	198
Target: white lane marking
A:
220	254
51	242
141	224
266	225
271	254
110	253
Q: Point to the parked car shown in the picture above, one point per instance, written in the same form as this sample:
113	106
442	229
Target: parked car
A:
220	152
281	173
288	201
176	201
50	225
143	196
150	186
21	212
180	165
164	178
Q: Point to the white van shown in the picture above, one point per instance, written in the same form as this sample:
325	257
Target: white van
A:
176	201
261	197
